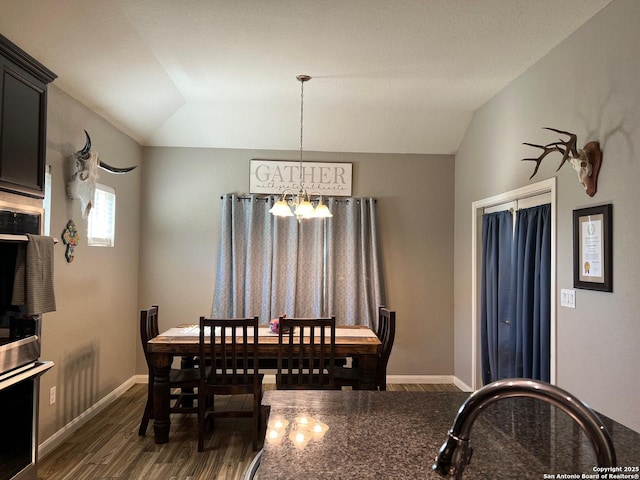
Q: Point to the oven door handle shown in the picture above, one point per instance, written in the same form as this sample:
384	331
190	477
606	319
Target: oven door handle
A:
38	369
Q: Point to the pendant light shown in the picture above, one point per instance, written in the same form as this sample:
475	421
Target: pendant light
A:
300	202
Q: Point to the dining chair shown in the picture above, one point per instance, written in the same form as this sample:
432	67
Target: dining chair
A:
306	353
228	364
354	361
182	381
386	333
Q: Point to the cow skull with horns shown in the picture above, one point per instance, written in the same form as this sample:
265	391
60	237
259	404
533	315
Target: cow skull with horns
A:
585	161
84	175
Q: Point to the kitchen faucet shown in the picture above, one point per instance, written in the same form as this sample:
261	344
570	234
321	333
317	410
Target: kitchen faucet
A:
455	453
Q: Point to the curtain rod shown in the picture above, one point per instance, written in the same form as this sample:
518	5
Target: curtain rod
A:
516	200
266	199
246	198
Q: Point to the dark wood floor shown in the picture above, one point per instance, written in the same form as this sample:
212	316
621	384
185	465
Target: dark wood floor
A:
108	446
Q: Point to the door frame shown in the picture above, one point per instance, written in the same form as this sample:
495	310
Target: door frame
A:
477	208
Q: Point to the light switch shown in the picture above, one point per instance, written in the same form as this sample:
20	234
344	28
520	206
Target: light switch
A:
568	298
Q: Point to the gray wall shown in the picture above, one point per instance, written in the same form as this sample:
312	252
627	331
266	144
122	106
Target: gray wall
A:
92	336
180	228
589	85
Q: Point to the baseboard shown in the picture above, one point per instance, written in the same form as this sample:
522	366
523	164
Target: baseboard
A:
427	379
395	379
461	385
61	435
430	379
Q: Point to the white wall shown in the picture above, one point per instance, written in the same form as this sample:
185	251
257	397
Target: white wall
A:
589	85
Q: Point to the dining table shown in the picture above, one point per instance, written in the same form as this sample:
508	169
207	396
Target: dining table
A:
352	341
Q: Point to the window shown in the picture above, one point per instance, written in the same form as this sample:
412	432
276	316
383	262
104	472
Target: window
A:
102	218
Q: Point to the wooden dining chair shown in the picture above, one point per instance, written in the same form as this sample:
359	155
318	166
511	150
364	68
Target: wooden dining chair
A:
386	333
182	382
228	362
354	361
306	353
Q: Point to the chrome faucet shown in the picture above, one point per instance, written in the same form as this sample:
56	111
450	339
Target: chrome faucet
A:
455	453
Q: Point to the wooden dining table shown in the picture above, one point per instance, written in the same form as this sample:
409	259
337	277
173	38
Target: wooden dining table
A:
183	341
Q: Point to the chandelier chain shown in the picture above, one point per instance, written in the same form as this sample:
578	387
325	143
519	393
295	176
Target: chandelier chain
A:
301	125
301	202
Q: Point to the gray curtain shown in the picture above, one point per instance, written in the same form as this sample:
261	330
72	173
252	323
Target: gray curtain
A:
353	277
243	274
269	266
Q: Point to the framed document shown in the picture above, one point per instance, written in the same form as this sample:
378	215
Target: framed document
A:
592	248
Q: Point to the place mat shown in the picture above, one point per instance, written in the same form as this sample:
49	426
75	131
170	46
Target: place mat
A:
194	331
354	332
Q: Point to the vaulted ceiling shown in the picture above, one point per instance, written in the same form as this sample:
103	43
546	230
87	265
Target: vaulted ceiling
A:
388	75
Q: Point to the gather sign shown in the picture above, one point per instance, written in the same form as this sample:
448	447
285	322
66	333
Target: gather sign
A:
273	176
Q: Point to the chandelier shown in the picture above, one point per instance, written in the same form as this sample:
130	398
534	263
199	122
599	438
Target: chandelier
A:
300	202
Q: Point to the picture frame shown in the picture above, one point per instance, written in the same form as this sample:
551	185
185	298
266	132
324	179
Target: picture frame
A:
593	248
320	178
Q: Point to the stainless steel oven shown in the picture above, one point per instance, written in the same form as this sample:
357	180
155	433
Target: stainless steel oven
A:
20	344
19	392
19	333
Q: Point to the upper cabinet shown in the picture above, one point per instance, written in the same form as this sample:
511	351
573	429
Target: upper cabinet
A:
23	120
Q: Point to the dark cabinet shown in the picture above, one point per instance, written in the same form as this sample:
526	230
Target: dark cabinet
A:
23	120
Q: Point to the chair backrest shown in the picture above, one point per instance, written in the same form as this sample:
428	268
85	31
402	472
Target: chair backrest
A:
148	327
230	346
387	329
306	353
379	326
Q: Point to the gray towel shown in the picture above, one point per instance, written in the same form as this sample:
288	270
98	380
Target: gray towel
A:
33	284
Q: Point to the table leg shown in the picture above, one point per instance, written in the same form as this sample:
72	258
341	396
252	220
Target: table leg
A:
187	361
368	365
161	420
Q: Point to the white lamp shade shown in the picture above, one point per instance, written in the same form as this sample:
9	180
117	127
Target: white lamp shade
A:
281	209
304	209
322	211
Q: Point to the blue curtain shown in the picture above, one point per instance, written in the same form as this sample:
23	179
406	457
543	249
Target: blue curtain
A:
531	299
497	237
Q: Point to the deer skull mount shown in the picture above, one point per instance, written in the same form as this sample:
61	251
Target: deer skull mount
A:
585	161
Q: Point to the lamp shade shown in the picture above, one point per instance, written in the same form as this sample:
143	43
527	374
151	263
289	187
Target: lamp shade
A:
281	209
304	209
322	211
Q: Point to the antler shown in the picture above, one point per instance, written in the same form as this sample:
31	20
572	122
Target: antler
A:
84	155
568	150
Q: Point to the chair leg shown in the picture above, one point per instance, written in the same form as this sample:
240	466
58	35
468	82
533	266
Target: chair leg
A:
382	381
148	408
146	416
205	418
202	407
256	420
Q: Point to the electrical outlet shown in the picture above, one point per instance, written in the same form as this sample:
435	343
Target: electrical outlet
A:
52	395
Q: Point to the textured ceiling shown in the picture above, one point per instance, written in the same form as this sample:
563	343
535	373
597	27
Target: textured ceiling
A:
388	76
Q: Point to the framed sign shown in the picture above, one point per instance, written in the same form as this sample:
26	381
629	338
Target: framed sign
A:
273	176
592	248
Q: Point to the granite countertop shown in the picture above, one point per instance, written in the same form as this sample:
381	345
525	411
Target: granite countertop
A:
397	435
